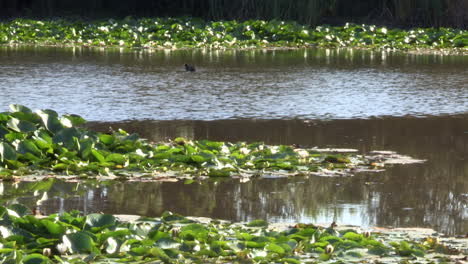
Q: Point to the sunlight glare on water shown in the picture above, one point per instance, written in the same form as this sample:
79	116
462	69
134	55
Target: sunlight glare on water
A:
312	84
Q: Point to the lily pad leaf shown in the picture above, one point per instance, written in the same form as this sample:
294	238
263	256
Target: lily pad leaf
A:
28	146
100	220
7	152
20	125
20	108
35	258
167	243
75	120
54	228
20	209
194	231
98	155
271	247
257	223
79	242
65	136
107	139
50	120
117	158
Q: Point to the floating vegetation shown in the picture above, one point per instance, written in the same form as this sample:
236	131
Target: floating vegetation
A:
99	238
175	33
44	142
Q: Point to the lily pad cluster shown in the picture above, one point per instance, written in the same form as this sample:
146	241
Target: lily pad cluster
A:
172	238
43	140
173	33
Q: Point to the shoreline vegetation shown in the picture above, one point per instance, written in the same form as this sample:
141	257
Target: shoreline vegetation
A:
44	143
71	237
189	33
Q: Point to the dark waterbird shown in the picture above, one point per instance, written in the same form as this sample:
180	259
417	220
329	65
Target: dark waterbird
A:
189	67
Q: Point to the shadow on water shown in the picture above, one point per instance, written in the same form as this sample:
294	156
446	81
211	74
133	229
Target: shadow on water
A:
433	194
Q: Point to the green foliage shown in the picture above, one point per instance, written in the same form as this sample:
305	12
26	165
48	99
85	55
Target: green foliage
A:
171	33
46	141
73	238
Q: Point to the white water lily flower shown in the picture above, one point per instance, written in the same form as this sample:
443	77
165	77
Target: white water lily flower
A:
225	149
5	232
62	248
104	29
302	153
196	248
82	164
244	151
43	198
384	30
274	149
121	43
140	152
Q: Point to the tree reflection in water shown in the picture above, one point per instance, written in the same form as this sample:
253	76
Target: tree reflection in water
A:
432	194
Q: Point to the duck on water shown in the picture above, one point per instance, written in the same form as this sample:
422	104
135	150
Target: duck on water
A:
189	67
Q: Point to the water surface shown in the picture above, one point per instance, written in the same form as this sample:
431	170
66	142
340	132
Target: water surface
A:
370	99
433	194
311	83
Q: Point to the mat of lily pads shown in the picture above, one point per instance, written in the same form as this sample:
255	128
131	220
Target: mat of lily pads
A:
99	238
186	32
44	143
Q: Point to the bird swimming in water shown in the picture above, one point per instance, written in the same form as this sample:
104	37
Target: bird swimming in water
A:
189	67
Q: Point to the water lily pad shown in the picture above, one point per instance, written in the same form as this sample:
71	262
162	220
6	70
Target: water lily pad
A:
79	242
21	126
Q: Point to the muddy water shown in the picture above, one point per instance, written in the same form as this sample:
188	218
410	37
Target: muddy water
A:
353	99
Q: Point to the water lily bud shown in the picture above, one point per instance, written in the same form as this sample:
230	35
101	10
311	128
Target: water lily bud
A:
47	252
367	234
329	249
175	231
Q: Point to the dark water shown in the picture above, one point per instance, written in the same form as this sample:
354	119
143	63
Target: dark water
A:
289	94
317	84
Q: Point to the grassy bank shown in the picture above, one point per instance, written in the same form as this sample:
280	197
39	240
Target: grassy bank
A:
98	238
177	33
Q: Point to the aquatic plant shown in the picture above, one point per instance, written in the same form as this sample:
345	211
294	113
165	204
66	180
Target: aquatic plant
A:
174	33
100	238
43	140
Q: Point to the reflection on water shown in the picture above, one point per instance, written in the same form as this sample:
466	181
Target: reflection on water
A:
433	194
313	83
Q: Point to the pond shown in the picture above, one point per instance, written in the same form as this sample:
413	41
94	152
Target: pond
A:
306	84
413	104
